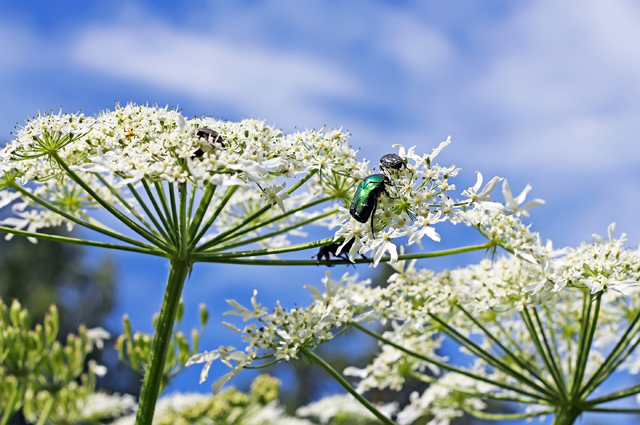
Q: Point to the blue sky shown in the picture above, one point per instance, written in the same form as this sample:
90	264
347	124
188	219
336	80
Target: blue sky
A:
544	92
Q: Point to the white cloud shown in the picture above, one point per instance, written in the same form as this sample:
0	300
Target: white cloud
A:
564	79
420	49
260	79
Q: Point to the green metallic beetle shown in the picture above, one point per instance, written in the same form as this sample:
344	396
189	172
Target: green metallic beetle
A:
365	200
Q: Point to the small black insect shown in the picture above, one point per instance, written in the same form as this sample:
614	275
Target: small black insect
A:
326	252
211	137
393	161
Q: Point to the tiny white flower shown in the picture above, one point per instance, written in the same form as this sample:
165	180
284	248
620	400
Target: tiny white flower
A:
514	203
270	193
240	310
482	197
97	336
382	244
436	151
96	368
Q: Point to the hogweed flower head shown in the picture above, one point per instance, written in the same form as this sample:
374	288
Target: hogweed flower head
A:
144	164
545	327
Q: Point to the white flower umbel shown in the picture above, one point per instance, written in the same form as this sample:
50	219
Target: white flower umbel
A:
546	351
207	190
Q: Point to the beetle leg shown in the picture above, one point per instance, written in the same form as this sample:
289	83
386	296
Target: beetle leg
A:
405	166
373	213
387	193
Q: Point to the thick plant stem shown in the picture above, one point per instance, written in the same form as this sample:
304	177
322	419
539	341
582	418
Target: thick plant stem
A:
566	415
155	365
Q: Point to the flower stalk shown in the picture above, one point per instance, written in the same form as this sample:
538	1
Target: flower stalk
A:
155	368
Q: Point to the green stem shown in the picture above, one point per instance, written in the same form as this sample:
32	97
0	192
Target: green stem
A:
566	415
506	335
514	346
505	416
100	229
201	210
232	257
171	229
542	349
172	202
147	211
265	251
223	202
224	235
153	377
192	199
46	411
614	396
584	320
123	201
182	216
239	230
331	371
106	205
605	369
553	366
528	367
159	211
431	380
612	410
624	356
489	358
585	343
554	340
445	366
272	234
148	250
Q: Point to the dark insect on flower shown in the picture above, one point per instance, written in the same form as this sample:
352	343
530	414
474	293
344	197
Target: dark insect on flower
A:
326	252
211	137
365	200
392	161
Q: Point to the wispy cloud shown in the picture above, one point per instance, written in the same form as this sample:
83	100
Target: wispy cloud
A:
562	77
265	80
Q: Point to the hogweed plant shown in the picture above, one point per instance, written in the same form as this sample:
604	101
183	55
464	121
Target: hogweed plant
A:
545	327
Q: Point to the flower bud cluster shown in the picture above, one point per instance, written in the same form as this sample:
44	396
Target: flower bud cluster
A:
134	348
47	378
258	407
